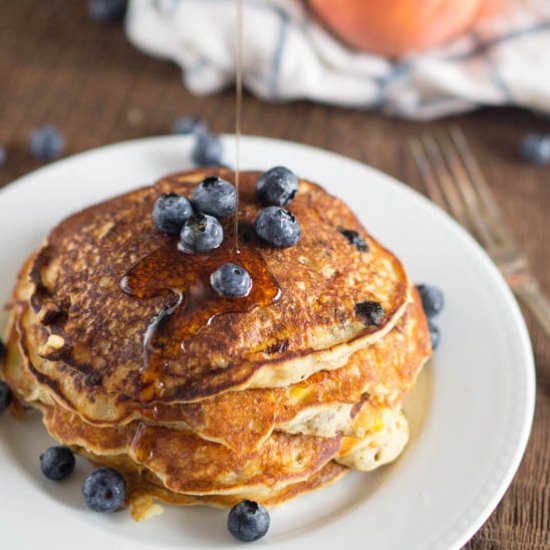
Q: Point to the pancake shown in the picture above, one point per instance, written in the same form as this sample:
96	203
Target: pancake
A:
184	463
323	405
143	494
378	446
188	464
97	330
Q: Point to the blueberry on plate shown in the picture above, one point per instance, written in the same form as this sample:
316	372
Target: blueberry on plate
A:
201	233
535	148
104	490
189	125
433	300
57	463
6	396
215	197
434	335
248	521
207	150
277	186
277	227
46	142
107	11
231	280
170	212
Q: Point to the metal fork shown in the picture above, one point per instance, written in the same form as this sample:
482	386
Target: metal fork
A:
454	181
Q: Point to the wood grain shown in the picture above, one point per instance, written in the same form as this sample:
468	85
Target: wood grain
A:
58	66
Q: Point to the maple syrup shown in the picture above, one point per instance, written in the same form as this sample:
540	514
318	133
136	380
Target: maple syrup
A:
238	107
191	303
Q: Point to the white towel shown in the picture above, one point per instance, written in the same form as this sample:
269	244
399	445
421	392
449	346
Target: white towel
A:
504	59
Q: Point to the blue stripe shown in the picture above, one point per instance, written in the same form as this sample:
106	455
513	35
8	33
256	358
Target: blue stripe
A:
484	47
278	54
495	75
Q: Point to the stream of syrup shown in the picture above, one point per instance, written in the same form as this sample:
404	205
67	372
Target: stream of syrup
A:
238	107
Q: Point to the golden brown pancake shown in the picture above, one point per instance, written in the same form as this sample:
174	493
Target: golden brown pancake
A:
98	330
143	493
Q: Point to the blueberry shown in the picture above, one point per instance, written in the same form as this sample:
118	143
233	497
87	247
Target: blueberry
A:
57	463
277	186
433	300
46	142
215	196
104	490
434	335
277	227
189	124
201	233
248	521
6	396
371	313
3	155
170	212
107	11
231	280
207	151
354	239
535	148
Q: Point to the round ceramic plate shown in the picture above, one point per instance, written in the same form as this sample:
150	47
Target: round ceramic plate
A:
470	414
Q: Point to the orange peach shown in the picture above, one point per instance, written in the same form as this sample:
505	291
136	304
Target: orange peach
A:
396	27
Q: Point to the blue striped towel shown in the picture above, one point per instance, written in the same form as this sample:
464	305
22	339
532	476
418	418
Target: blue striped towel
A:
504	59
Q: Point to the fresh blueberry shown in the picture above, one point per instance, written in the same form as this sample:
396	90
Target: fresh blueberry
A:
433	300
277	227
189	124
371	313
170	212
6	396
3	155
57	463
107	11
231	280
201	233
248	521
434	335
208	150
104	490
535	148
46	142
277	186
215	196
354	239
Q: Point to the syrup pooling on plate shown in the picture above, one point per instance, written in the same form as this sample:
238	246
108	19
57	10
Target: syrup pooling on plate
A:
191	302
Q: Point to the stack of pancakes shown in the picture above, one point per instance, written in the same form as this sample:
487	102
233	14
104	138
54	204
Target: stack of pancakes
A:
264	402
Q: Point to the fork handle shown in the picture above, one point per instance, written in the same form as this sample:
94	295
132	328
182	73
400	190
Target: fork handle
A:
531	295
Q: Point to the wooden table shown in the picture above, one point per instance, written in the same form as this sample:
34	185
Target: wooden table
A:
58	66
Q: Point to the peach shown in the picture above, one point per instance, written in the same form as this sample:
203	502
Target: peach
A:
396	27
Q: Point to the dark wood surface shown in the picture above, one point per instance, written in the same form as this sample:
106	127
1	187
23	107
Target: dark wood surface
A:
58	66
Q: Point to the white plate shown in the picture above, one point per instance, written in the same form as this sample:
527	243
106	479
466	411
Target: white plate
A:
470	415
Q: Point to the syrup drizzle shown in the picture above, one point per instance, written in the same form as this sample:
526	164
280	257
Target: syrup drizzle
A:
238	109
190	302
